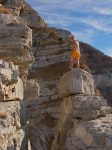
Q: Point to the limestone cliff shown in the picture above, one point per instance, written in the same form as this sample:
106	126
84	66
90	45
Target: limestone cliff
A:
85	120
33	58
15	59
14	47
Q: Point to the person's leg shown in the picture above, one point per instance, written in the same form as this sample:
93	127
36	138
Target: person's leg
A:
77	62
71	63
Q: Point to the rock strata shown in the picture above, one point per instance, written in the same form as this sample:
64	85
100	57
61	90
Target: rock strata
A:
85	121
11	85
15	58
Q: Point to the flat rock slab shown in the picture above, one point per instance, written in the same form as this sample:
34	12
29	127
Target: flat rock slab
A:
84	107
76	81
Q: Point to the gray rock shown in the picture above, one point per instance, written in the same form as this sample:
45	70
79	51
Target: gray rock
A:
17	47
96	134
31	90
23	9
31	17
11	84
10	19
103	80
11	130
76	81
85	107
85	120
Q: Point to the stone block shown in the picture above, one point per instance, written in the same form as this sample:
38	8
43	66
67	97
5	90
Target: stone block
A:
76	81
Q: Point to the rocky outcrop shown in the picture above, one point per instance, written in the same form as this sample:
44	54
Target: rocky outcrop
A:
104	84
77	82
16	40
100	66
51	52
47	69
12	132
63	33
23	9
16	48
13	118
85	120
11	85
52	56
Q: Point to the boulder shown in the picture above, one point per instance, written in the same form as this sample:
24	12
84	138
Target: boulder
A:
11	85
76	81
17	48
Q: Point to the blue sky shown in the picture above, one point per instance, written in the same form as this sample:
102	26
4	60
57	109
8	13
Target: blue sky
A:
89	20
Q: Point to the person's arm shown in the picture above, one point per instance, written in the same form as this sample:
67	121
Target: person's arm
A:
78	48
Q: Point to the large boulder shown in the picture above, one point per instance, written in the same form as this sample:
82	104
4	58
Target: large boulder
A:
76	81
11	85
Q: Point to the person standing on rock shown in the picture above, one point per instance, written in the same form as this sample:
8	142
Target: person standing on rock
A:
75	53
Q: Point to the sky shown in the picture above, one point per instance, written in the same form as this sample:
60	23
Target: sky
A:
89	20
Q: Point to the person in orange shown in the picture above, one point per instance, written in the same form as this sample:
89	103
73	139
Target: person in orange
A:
75	53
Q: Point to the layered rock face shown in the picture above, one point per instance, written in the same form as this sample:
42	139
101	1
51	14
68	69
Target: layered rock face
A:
23	9
15	41
85	120
12	111
100	66
15	44
51	52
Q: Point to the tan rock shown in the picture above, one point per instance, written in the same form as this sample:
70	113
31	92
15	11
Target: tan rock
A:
31	17
76	81
23	9
96	134
11	85
31	90
12	133
85	119
16	48
10	19
85	107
